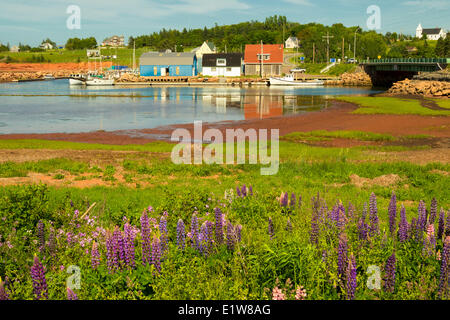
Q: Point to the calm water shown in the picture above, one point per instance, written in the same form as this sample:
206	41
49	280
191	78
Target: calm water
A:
54	106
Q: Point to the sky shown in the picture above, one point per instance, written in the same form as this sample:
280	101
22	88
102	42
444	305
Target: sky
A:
31	21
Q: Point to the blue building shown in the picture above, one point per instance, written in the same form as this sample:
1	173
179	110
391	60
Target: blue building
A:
156	64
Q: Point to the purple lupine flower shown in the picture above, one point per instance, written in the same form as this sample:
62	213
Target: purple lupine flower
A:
441	224
194	231
403	226
205	238
341	218
119	242
156	253
342	257
111	258
71	295
350	211
444	280
164	235
284	199
389	274
289	225
447	225
314	234
299	201
351	278
238	229
3	294
129	236
373	215
219	226
230	236
95	256
433	211
181	235
292	202
39	282
271	230
238	191
250	190
41	234
244	191
146	241
392	213
362	229
422	218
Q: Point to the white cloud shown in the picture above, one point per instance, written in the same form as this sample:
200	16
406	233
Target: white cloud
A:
428	4
299	2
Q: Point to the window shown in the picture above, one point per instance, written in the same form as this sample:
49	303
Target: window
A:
221	62
228	69
213	69
266	56
178	71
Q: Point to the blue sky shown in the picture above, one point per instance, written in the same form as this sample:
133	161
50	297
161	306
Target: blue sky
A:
30	21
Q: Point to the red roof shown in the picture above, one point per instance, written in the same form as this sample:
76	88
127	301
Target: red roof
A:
275	52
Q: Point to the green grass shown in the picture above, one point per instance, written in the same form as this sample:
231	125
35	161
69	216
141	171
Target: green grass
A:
61	145
337	70
443	103
124	55
391	105
355	135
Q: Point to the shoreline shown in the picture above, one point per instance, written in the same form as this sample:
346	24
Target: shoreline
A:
336	117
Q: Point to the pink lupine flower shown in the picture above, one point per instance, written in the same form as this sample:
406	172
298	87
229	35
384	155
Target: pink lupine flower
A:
300	293
277	294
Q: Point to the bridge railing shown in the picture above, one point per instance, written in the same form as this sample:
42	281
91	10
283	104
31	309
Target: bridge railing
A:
406	60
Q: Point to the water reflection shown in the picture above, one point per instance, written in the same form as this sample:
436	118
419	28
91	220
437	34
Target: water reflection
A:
55	107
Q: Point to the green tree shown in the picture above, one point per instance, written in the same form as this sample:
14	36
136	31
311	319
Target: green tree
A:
440	50
371	45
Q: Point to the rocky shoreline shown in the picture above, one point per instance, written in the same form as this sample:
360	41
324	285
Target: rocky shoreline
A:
421	87
360	79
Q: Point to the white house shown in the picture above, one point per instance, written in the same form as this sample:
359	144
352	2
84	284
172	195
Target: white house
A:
291	42
14	49
206	47
46	46
432	34
222	64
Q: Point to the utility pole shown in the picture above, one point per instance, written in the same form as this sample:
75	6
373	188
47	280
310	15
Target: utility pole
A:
262	59
327	37
354	47
314	52
343	49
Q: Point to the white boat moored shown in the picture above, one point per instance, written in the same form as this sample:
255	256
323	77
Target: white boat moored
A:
288	80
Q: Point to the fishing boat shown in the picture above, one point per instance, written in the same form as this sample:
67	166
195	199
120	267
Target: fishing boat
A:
77	79
289	80
99	80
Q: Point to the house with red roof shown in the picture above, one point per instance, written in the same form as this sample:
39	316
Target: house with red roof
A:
263	60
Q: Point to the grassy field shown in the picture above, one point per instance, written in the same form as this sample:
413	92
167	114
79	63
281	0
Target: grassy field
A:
389	105
338	69
124	55
253	263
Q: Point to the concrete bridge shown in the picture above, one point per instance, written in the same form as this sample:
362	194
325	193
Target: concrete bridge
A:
384	72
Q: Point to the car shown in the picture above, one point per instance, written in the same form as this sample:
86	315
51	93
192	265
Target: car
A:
298	70
351	60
